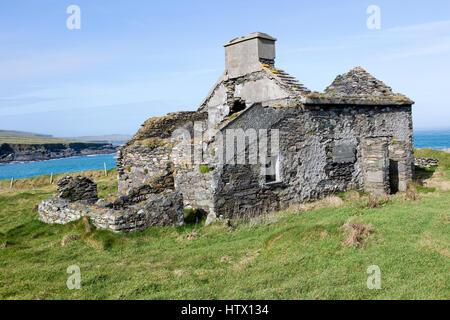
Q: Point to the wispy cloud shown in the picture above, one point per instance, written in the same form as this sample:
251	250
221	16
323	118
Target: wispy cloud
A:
324	48
396	42
430	26
30	65
441	48
20	101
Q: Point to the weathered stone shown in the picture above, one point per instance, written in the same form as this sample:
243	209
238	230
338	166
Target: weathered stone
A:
375	163
426	162
357	134
164	209
77	189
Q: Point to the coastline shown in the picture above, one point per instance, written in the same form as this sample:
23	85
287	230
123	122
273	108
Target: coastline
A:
79	163
59	158
22	153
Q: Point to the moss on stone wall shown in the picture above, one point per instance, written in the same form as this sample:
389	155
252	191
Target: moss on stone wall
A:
205	169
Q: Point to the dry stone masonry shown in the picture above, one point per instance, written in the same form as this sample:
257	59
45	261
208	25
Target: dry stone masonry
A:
357	134
426	163
77	189
139	209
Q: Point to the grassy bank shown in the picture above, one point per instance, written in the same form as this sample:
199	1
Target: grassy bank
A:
33	140
306	252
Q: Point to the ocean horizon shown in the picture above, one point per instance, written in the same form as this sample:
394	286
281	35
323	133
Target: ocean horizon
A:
432	138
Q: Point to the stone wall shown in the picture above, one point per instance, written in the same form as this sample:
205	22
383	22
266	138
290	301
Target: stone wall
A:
401	164
241	194
262	87
152	204
196	186
147	155
375	164
59	211
159	210
321	150
77	188
137	165
426	162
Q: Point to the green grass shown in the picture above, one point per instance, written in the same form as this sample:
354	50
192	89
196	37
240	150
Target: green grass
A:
13	133
33	140
287	255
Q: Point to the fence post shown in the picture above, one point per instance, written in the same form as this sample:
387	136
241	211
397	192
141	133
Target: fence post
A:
51	178
106	172
11	184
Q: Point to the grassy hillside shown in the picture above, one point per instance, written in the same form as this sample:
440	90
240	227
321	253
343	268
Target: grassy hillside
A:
13	133
20	137
313	251
112	138
33	140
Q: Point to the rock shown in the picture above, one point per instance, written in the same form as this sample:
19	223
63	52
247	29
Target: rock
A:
210	219
69	238
77	189
446	150
426	162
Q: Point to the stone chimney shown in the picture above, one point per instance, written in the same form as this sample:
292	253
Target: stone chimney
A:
245	55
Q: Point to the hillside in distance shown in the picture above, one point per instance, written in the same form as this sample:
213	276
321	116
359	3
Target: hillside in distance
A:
24	146
14	133
114	139
23	137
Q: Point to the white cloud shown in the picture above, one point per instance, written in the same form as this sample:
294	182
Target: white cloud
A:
393	43
430	26
439	48
43	64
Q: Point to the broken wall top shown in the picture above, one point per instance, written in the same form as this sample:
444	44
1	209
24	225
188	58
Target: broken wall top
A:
358	87
162	128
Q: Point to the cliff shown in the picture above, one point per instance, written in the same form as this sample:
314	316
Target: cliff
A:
10	152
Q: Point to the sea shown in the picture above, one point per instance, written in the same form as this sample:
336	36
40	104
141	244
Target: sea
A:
21	170
435	139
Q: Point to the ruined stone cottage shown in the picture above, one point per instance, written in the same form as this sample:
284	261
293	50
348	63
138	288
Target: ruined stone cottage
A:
261	141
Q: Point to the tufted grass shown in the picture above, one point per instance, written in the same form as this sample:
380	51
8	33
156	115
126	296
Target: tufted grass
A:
294	254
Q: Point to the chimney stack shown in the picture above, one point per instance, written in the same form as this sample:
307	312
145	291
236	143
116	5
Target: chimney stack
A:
245	55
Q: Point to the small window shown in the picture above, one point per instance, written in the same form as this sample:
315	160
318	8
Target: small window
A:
238	106
273	169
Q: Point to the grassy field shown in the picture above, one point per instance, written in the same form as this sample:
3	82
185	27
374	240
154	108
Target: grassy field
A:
33	140
301	253
20	137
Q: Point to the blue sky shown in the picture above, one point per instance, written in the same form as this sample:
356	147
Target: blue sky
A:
135	59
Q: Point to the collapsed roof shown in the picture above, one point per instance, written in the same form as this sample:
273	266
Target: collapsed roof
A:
255	54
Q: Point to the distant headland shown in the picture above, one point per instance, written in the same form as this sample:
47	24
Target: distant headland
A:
24	146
